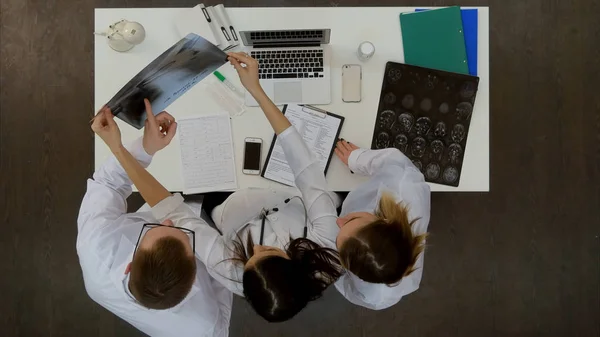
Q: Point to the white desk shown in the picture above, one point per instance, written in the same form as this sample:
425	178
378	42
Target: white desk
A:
379	25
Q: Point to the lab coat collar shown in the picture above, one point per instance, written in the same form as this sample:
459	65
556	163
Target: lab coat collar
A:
123	256
282	235
361	200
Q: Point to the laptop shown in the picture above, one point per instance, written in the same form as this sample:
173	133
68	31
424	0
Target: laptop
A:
293	65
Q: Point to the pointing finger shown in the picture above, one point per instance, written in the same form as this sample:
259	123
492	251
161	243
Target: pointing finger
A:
149	115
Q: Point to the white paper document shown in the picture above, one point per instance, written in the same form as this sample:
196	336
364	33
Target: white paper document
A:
207	159
320	132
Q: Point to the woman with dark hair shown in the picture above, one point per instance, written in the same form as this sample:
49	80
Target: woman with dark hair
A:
280	284
277	246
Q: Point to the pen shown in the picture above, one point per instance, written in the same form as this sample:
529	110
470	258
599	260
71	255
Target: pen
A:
225	81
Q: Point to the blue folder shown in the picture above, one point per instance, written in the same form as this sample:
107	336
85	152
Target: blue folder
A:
470	23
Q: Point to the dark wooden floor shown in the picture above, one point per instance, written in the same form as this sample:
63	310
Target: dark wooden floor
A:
522	260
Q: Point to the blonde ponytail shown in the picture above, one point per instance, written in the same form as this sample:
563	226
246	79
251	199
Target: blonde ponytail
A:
385	250
396	214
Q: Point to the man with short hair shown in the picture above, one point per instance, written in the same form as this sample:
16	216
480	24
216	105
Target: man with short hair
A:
141	266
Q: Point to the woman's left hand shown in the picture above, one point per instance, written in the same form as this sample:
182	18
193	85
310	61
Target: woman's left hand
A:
105	126
343	150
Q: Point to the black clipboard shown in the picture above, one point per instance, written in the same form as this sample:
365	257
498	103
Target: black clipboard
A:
314	109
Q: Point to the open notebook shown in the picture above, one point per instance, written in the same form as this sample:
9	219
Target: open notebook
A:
207	159
319	129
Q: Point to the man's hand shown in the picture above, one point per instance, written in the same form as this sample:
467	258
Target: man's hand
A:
106	128
343	149
158	131
247	69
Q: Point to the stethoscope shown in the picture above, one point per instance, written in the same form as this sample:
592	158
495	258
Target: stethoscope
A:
266	212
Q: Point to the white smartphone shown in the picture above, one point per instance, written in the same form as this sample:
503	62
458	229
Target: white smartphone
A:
252	155
351	83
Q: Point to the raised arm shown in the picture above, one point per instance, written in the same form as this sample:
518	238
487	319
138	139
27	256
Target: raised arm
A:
320	203
369	162
158	133
106	195
247	69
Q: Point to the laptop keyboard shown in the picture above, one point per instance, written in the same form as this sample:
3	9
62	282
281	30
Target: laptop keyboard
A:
301	63
294	35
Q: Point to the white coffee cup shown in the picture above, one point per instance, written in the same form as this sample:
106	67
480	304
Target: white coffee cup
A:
365	51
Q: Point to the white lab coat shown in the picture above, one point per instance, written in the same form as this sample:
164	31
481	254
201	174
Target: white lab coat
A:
240	215
105	244
391	171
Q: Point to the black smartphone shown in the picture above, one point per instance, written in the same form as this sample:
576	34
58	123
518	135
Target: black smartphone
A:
252	154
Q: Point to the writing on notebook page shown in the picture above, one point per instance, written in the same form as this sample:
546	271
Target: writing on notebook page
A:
207	154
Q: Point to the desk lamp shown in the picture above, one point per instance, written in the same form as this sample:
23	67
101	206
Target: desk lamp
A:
124	35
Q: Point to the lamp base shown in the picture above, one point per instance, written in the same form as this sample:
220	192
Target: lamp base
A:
115	40
118	44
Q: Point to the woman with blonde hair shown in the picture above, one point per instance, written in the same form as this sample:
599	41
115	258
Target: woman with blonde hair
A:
383	226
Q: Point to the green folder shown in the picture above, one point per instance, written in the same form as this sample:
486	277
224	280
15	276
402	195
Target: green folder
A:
434	39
